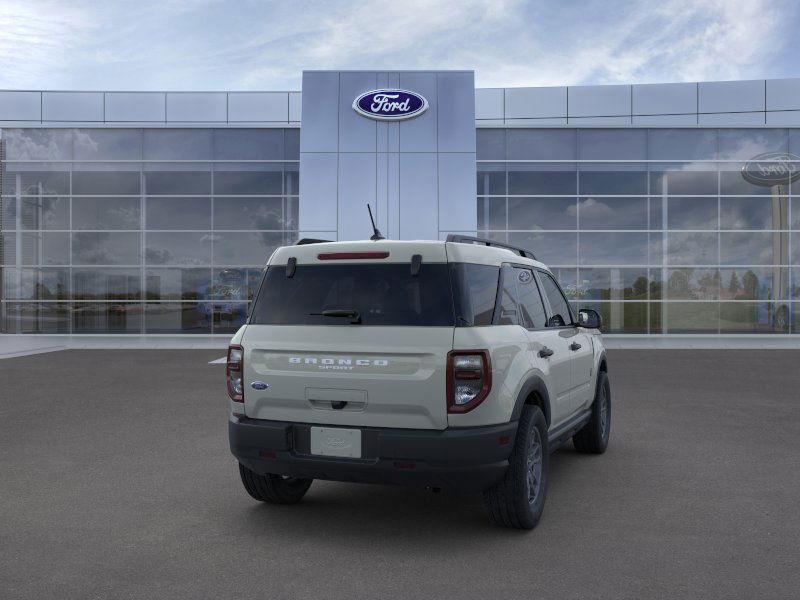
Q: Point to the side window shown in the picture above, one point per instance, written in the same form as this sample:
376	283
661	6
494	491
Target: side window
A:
508	297
558	304
474	292
530	301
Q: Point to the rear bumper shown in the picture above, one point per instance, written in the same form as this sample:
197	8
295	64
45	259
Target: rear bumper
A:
462	459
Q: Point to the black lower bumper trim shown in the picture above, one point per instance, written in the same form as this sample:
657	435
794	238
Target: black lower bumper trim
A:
463	459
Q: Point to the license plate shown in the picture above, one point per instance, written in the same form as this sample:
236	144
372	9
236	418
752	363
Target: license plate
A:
332	441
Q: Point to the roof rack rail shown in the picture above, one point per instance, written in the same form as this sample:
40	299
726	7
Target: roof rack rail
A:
305	241
468	239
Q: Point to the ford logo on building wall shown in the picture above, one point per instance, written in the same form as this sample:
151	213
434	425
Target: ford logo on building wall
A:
390	105
772	168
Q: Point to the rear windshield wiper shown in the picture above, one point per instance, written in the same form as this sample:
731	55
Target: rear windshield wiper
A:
353	315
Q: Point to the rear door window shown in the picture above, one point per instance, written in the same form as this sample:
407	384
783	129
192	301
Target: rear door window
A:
382	294
530	300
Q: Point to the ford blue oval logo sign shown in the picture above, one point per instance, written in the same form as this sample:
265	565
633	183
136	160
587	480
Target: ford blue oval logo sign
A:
390	105
772	168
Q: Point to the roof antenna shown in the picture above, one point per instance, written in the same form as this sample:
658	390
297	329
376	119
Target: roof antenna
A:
376	235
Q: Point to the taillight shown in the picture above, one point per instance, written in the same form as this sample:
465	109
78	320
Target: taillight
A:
235	373
469	379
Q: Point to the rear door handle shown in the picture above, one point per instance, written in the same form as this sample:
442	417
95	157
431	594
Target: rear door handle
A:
545	352
574	346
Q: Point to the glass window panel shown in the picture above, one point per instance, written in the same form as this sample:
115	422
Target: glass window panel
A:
621	317
105	213
683	183
754	213
291	179
613	182
732	182
178	144
107	317
48	248
291	144
44	212
107	144
794	288
248	144
526	181
490	144
568	280
749	248
755	283
250	182
103	248
682	144
177	317
117	183
38	144
178	284
612	144
692	213
8	248
550	248
690	317
291	214
178	183
245	248
229	317
656	309
36	183
491	179
8	214
612	248
795	217
178	248
541	144
656	213
235	283
612	213
693	284
613	284
174	212
542	213
491	213
795	256
747	317
692	248
35	317
745	144
794	141
36	284
248	213
106	284
656	284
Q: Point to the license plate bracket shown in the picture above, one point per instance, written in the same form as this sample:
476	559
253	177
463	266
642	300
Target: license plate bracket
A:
336	441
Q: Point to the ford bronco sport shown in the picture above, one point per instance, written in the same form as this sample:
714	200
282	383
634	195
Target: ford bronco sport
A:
453	364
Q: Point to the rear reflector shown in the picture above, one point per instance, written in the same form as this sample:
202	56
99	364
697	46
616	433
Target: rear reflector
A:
351	255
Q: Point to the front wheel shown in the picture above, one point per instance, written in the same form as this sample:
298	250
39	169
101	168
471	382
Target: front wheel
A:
593	437
518	500
274	489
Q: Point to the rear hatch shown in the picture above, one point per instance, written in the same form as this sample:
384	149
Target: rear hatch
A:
351	339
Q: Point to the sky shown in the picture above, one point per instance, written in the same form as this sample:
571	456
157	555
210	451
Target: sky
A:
264	45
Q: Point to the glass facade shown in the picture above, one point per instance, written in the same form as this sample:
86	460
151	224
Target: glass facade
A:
141	230
656	229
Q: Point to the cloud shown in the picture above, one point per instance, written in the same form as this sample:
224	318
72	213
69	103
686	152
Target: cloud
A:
206	44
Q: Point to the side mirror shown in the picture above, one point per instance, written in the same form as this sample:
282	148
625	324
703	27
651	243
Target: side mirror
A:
590	319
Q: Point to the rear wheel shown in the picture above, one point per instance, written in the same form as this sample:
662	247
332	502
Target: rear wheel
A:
518	500
593	437
274	489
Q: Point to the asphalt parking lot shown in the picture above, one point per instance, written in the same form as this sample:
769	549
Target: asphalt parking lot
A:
116	482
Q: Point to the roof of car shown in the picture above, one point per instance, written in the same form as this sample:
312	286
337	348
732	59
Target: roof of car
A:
399	251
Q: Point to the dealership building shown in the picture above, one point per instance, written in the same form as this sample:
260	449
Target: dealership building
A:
671	209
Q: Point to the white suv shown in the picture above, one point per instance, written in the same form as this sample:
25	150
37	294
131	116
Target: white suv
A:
453	364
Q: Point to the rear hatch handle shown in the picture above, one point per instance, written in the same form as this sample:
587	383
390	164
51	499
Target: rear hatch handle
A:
353	315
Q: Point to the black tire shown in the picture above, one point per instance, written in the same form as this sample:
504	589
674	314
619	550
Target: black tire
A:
593	437
274	489
511	503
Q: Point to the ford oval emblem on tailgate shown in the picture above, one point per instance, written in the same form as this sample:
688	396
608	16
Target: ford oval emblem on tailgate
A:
259	385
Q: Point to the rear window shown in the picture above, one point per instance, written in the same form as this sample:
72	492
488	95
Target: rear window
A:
382	294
